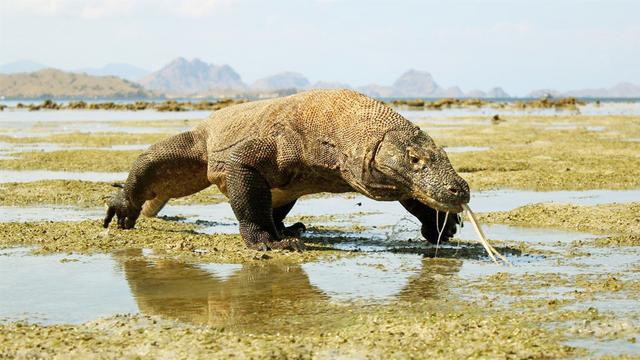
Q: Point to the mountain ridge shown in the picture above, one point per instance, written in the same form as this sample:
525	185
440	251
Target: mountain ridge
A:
182	77
54	83
185	77
122	70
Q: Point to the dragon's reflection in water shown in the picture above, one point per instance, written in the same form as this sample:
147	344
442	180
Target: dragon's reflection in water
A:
279	297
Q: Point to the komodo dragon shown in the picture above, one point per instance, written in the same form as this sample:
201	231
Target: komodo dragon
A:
264	155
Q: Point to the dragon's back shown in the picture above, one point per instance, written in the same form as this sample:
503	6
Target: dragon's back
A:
345	119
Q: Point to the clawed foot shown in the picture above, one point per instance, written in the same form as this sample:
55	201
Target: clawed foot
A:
289	243
119	206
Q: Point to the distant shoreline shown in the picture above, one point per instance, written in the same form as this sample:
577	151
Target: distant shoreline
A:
9	101
173	105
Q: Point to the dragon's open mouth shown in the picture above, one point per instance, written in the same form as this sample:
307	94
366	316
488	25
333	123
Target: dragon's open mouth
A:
437	205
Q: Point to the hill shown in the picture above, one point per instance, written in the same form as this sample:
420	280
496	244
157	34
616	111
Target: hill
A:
125	71
53	83
414	83
183	77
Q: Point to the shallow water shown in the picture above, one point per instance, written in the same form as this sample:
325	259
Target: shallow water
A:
608	347
257	298
81	288
64	288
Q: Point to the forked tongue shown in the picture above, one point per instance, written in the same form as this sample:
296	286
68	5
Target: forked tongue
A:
483	239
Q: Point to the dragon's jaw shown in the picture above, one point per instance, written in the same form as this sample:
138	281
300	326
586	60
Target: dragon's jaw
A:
438	205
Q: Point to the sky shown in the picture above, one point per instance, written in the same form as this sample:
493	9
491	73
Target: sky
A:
519	45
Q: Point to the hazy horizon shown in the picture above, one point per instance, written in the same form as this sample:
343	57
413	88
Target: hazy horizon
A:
520	46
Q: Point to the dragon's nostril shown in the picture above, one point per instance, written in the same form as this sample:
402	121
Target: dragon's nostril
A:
454	190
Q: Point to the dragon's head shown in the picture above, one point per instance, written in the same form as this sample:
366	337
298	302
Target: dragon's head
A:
420	170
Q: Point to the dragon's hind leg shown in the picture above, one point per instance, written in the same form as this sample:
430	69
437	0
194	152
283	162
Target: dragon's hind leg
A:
174	167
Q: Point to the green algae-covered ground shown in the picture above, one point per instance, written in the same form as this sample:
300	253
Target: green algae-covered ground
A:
527	153
73	160
90	139
526	313
172	238
621	222
411	330
81	194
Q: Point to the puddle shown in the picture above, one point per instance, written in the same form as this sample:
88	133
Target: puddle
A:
44	289
81	288
35	175
627	306
505	200
608	347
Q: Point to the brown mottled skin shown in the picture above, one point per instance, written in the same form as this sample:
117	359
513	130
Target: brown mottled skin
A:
264	155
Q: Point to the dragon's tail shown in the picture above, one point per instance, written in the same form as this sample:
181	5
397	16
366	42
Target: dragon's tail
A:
152	207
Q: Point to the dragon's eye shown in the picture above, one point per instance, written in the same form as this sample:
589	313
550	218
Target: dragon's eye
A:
414	159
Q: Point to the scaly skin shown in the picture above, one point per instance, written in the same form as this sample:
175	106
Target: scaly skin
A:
264	155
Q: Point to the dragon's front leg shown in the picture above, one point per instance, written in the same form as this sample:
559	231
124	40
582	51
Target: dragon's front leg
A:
251	171
435	225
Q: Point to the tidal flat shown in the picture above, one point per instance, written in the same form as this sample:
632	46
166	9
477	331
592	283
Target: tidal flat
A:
184	286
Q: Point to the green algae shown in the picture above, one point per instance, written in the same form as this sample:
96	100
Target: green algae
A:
55	192
72	160
524	157
617	240
620	221
404	330
90	139
174	239
82	194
